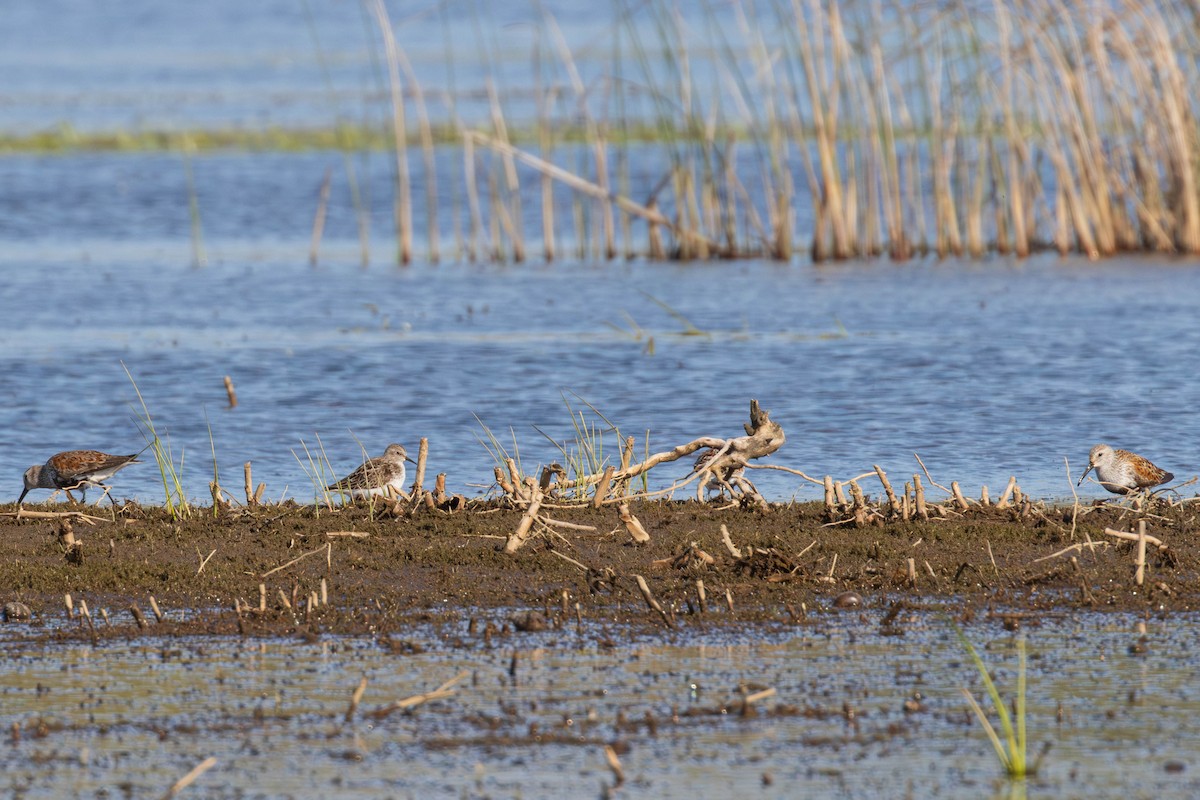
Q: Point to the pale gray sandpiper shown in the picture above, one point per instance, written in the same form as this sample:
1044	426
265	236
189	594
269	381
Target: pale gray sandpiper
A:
75	469
1122	472
381	476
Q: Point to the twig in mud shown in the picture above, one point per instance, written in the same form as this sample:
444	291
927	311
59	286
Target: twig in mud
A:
190	778
440	693
1003	502
651	602
751	699
351	534
22	513
728	542
571	526
1140	576
295	560
632	524
992	557
893	505
204	560
1078	548
1133	537
788	470
928	477
614	764
568	559
356	698
602	486
525	526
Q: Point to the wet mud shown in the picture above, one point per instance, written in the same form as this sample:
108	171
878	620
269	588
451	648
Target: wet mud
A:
297	570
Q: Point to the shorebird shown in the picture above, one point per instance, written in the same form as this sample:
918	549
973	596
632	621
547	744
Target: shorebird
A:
1122	472
377	476
718	480
75	469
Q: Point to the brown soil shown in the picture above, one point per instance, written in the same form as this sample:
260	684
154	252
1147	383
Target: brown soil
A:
428	565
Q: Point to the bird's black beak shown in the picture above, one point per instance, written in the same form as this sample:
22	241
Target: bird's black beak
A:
1085	474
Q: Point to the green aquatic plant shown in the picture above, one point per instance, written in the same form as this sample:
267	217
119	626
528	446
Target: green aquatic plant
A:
1011	751
320	473
498	452
174	497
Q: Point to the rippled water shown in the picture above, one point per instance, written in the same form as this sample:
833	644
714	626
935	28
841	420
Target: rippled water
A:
986	370
137	715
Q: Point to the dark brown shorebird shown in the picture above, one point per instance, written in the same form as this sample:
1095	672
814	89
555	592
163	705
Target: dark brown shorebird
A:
381	476
75	469
1122	472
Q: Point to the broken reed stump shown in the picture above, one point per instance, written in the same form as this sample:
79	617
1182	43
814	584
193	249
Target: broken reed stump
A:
419	480
230	393
893	506
632	524
525	527
602	487
644	588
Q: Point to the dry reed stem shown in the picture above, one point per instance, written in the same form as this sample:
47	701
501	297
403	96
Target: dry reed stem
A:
589	188
249	485
602	487
1140	576
644	588
1133	537
22	513
295	560
204	561
614	764
356	698
727	540
422	458
525	526
893	506
632	524
190	778
440	693
318	226
960	502
403	201
919	494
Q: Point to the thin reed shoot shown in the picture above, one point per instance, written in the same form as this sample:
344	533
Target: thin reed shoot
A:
174	496
320	473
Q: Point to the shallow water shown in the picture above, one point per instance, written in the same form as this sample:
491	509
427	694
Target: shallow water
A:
986	370
137	715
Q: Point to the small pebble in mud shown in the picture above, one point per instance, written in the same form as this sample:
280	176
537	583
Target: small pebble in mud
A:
848	600
16	611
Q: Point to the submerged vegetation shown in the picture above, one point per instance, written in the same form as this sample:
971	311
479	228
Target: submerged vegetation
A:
845	129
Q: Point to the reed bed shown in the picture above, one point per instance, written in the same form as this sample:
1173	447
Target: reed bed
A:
842	129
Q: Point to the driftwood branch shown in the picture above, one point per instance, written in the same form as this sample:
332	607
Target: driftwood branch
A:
763	437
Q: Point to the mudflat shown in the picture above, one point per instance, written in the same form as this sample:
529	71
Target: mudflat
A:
278	570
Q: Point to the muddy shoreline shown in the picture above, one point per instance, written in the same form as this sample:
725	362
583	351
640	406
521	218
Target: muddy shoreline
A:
381	572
